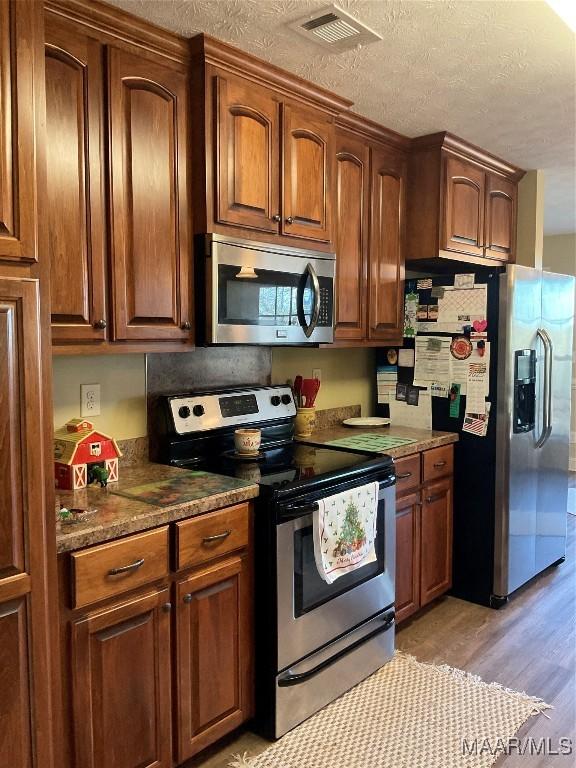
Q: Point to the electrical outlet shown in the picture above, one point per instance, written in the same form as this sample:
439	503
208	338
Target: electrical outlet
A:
89	400
317	373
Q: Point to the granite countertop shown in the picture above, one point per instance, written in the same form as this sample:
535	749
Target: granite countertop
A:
425	438
117	515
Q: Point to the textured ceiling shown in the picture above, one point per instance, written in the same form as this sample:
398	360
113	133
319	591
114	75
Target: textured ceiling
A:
499	73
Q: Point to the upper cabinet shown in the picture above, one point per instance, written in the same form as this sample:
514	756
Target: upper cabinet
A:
307	174
265	148
461	202
248	155
117	191
149	216
19	90
371	182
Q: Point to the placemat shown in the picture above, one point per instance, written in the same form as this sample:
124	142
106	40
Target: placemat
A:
368	441
179	490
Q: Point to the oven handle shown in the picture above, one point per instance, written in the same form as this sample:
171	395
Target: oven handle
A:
294	511
302	677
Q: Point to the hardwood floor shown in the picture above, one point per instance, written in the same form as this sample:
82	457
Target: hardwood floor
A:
530	645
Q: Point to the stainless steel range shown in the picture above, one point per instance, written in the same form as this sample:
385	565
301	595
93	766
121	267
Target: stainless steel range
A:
314	640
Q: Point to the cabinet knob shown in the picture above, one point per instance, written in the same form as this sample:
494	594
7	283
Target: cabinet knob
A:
188	598
100	324
167	607
276	217
289	220
187	326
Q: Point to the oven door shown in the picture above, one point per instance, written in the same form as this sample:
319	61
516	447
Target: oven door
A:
312	613
270	297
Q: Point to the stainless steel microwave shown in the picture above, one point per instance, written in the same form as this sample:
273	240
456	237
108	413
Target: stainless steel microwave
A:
258	293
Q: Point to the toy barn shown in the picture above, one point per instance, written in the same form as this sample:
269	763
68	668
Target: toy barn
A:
82	455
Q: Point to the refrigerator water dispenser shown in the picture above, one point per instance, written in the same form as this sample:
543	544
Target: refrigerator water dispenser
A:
524	390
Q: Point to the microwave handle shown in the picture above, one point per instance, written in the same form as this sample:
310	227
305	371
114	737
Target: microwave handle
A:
309	328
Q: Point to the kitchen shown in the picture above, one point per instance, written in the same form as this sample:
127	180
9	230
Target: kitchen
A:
179	210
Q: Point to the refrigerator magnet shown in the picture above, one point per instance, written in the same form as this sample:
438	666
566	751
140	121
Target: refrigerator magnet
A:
454	400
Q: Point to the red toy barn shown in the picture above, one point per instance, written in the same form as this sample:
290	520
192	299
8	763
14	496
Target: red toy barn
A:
77	445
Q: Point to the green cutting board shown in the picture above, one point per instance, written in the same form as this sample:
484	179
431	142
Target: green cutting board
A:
368	441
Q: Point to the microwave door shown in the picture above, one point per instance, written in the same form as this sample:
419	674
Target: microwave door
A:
309	278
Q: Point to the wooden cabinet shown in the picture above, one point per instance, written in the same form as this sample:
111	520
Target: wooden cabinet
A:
262	150
461	202
407	599
247	155
352	223
21	30
26	740
307	174
386	262
151	252
464	207
121	684
500	217
75	207
423	529
213	660
436	540
132	691
371	180
118	202
273	161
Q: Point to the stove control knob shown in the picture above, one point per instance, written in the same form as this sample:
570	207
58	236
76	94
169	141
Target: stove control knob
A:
198	410
275	400
286	399
183	411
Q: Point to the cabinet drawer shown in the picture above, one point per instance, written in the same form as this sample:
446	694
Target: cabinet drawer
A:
116	567
438	462
407	473
212	535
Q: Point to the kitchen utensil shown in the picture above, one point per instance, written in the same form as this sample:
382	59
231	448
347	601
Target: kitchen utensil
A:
310	389
298	390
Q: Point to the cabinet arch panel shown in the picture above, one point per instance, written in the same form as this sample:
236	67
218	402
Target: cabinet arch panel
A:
250	148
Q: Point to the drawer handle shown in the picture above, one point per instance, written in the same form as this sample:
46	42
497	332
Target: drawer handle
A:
403	475
127	568
216	537
440	464
430	499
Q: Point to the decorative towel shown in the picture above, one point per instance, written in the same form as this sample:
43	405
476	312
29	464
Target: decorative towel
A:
344	531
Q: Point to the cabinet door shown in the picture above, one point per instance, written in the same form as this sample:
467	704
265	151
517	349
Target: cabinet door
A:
248	155
24	708
501	197
463	207
436	540
151	252
308	174
214	654
121	685
386	270
75	184
407	555
351	229
18	204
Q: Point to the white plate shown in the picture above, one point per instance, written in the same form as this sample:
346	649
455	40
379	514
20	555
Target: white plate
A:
367	421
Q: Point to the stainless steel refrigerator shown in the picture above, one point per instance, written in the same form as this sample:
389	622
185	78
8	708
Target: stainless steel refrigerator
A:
511	486
535	326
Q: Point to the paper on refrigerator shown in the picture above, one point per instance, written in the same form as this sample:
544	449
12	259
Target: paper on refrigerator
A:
432	359
386	378
476	386
419	416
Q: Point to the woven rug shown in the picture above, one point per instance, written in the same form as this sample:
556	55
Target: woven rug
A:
406	715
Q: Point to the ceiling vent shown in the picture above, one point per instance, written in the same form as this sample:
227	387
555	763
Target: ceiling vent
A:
333	28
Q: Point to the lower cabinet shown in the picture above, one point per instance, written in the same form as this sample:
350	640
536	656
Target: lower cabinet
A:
213	658
424	534
121	684
157	671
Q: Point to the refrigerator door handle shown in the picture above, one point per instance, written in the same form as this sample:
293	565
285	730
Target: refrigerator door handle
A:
547	397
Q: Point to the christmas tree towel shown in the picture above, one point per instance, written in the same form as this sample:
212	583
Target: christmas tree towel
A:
344	531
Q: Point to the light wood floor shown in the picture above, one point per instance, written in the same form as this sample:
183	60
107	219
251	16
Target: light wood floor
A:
530	645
